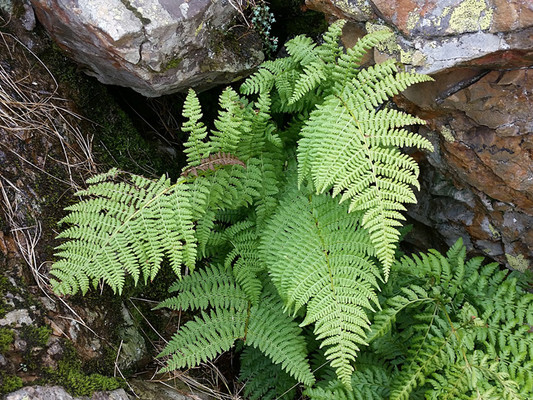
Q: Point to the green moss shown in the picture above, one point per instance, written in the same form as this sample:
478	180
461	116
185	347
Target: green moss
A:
173	63
36	336
9	383
69	375
6	338
117	141
136	12
4	284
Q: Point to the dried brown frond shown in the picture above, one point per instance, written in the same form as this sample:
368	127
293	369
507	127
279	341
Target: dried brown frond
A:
211	162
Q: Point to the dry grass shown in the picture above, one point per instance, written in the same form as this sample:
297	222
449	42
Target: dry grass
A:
29	110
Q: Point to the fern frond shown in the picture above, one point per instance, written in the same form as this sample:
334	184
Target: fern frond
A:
244	260
231	123
464	325
330	50
212	162
270	165
278	336
347	65
316	257
124	228
311	77
263	131
204	338
263	80
195	147
302	49
344	146
212	287
384	319
368	383
429	358
263	379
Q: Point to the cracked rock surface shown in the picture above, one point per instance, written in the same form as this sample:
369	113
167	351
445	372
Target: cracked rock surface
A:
155	47
478	184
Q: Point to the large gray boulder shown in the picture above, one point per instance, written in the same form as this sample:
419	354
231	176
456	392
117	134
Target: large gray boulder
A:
155	47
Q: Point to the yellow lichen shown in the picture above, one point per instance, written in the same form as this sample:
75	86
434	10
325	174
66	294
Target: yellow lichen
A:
412	19
447	134
518	262
412	57
199	29
494	231
348	7
389	46
469	16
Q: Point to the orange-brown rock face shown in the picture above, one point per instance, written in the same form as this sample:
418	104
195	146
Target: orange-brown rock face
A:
478	184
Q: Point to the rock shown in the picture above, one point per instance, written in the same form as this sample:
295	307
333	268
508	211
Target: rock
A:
355	10
147	390
155	47
16	318
133	348
478	184
58	393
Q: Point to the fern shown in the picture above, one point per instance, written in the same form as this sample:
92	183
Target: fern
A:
347	146
460	319
204	338
318	258
233	317
263	379
124	228
269	250
195	146
231	123
369	383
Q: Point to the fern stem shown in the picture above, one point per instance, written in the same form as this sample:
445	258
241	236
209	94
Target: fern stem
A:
247	321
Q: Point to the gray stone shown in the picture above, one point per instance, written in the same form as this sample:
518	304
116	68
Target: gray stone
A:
147	390
16	318
133	348
155	47
58	393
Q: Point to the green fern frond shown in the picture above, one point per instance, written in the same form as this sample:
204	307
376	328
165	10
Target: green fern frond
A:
457	318
244	260
195	146
270	165
368	383
263	379
428	359
231	123
343	146
311	77
204	338
330	50
124	228
263	131
384	319
212	287
302	50
316	257
204	229
278	336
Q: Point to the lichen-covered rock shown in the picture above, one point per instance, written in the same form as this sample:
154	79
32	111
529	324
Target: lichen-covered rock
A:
58	393
478	183
356	10
155	47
